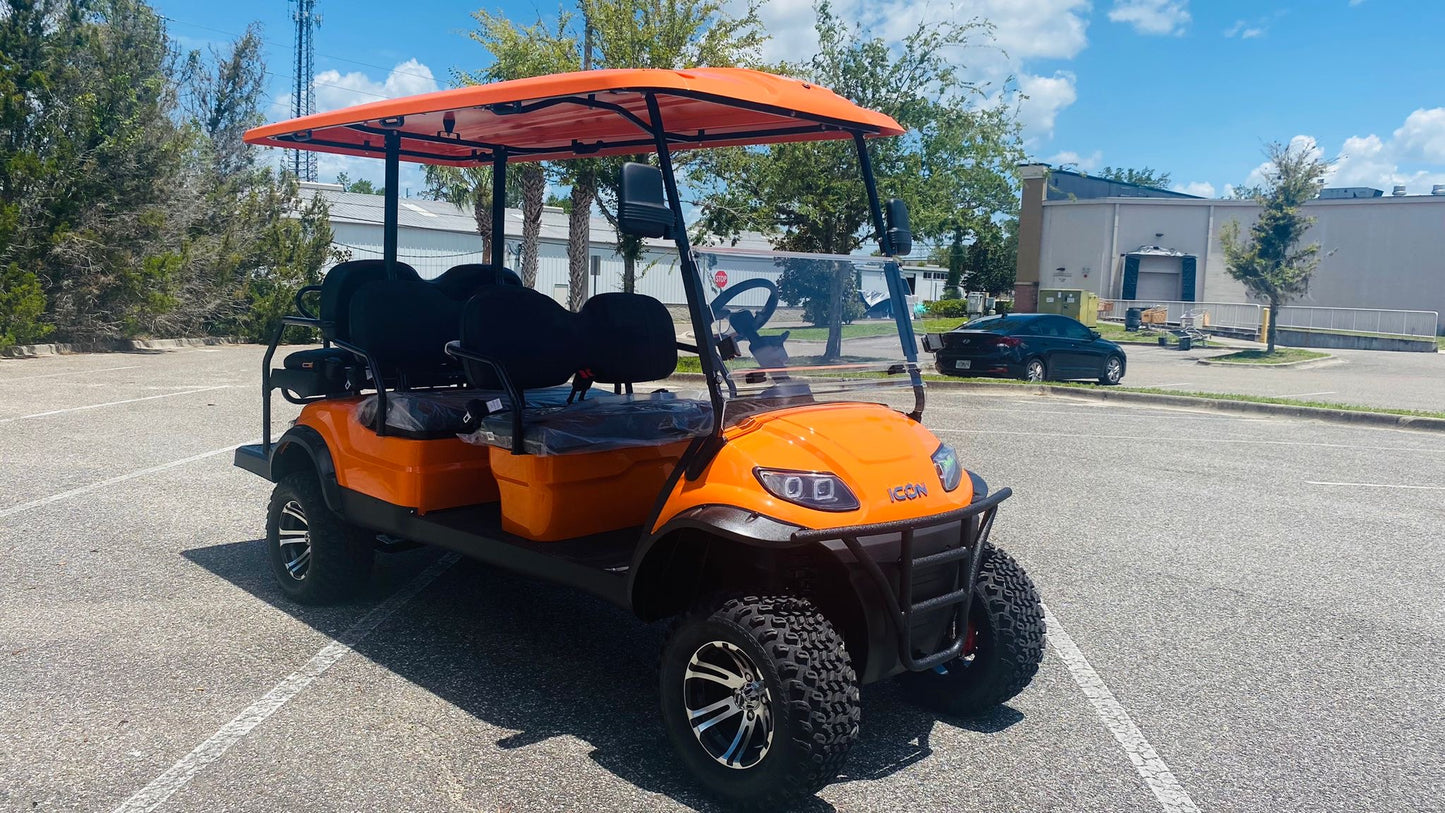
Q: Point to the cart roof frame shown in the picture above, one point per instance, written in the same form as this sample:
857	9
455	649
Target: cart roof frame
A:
581	115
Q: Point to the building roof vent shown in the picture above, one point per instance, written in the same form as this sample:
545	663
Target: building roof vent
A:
1399	192
1339	192
1438	189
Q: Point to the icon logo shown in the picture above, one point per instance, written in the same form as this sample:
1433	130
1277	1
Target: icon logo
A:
911	491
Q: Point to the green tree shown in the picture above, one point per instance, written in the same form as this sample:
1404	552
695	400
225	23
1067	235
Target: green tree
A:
1139	177
360	186
1271	263
955	166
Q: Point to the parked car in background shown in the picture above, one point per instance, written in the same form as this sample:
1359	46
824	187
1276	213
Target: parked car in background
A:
1031	346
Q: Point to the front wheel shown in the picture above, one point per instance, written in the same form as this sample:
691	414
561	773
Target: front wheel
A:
1113	371
759	699
1003	648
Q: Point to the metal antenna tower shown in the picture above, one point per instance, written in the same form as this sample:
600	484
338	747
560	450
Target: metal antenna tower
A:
303	94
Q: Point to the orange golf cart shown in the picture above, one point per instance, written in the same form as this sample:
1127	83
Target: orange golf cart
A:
790	509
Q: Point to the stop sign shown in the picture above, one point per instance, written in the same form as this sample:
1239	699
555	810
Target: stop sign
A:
721	278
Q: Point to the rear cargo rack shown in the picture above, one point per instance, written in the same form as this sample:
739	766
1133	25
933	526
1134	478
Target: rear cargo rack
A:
975	522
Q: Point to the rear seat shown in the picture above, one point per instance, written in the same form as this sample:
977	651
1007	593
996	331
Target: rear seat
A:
617	338
331	370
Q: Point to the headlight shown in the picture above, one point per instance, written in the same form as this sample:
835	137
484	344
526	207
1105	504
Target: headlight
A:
945	462
815	489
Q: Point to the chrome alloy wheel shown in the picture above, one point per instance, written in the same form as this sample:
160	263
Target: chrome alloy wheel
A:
728	705
1113	370
294	539
1035	370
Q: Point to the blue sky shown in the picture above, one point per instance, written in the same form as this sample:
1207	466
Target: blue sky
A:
1189	87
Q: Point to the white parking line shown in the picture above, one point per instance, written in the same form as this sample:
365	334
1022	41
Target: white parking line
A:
1210	440
113	403
1172	796
72	372
26	506
164	786
1374	485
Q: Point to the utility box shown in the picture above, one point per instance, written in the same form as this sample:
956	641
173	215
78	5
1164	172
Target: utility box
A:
1080	304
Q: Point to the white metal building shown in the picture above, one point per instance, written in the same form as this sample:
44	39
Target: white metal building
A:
1376	252
433	236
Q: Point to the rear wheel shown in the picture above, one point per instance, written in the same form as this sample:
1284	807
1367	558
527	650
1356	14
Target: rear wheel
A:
759	699
1003	648
316	557
1036	370
1113	370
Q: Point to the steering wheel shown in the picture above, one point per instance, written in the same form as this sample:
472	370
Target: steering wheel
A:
746	322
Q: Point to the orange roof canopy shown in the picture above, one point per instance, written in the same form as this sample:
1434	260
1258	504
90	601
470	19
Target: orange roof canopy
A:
590	113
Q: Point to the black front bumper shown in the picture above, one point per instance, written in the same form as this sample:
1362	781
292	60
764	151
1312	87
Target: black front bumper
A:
925	594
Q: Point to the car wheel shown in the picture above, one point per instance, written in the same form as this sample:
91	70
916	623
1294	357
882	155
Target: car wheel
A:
759	699
1113	371
1002	651
1036	370
316	557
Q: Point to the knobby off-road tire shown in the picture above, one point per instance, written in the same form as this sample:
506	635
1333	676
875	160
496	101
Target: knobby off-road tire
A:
316	557
1008	622
780	659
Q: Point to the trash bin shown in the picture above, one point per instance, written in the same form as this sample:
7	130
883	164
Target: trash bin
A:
1132	319
1185	342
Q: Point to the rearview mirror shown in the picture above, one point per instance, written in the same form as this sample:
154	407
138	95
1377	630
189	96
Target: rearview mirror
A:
642	211
900	236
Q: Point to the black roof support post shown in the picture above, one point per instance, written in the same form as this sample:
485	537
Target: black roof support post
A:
499	211
696	296
393	193
897	289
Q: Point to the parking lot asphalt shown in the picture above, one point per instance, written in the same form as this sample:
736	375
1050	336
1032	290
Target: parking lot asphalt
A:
1361	377
1264	598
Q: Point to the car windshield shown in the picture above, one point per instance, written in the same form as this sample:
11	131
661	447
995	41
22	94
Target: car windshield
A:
807	327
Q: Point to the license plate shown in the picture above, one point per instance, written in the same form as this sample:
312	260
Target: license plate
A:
962	365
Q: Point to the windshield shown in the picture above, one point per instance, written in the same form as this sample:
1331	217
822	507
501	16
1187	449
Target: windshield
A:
808	327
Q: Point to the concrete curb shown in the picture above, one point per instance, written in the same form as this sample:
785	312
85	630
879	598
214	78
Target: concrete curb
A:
25	351
1343	416
1302	363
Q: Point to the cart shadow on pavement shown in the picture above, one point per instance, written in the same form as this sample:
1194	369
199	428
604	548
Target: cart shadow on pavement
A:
544	661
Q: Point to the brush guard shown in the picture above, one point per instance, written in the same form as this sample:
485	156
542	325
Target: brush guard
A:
974	524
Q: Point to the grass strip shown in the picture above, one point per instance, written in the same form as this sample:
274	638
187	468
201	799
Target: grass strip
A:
1281	355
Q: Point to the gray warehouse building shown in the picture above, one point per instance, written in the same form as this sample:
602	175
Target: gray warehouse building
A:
1133	243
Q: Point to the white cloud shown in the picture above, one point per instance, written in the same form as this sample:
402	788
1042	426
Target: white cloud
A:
1202	189
1040	29
335	89
1244	30
1086	163
1157	17
1413	157
1423	136
1046	96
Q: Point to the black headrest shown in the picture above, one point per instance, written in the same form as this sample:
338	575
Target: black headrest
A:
461	282
629	338
405	325
535	339
341	284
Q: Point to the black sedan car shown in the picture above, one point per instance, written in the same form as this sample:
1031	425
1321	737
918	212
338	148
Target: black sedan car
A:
1031	346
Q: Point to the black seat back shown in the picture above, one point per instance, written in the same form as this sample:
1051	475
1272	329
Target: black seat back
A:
404	325
461	282
628	338
340	286
535	340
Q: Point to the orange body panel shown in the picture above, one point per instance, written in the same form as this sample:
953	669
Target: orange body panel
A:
565	496
760	107
427	475
874	449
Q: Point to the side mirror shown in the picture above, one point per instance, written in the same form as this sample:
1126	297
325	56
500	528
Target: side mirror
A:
900	236
642	211
1096	334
